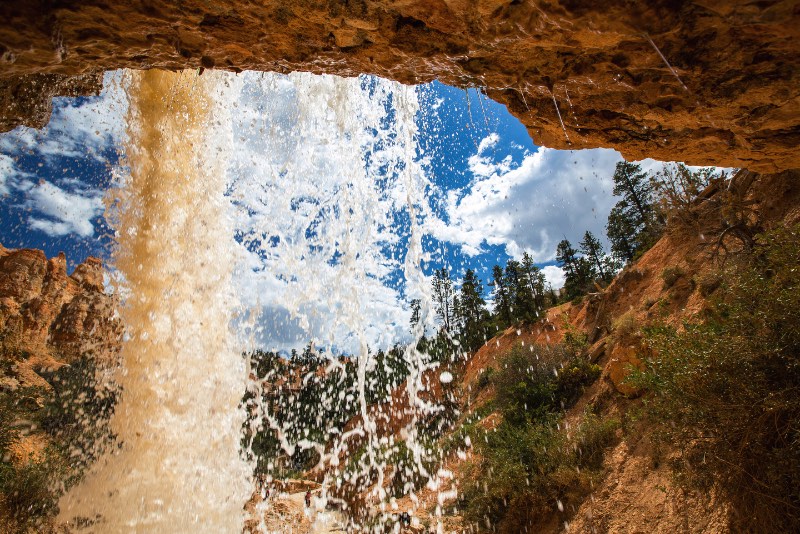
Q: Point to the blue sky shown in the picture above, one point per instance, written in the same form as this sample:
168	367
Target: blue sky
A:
52	181
488	191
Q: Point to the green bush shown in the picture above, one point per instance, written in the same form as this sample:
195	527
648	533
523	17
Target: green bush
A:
485	378
74	418
527	464
533	381
708	283
77	415
670	275
28	496
525	471
727	391
572	380
575	341
408	474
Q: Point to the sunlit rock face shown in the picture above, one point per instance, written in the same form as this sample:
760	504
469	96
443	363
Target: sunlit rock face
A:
706	82
54	317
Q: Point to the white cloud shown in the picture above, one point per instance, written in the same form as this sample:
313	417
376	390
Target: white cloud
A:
80	129
530	207
317	178
483	165
66	212
555	276
8	173
77	130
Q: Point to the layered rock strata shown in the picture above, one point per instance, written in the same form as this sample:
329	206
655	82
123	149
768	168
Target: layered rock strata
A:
49	318
703	81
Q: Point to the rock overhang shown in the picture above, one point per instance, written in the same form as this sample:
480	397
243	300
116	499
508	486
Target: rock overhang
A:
704	81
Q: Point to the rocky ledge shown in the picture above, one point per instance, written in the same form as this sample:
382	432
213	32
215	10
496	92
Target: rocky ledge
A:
703	81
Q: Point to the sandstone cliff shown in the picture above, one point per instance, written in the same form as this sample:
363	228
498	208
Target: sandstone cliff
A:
49	318
702	81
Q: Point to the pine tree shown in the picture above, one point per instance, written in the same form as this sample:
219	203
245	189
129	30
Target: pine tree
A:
636	190
621	233
592	248
677	186
534	282
579	271
502	302
635	222
473	309
585	273
443	297
516	292
611	265
566	256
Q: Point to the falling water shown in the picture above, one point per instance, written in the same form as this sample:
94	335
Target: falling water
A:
178	467
330	195
315	212
558	112
667	63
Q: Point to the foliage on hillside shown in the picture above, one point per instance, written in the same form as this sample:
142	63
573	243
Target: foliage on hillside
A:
71	421
726	391
306	405
528	466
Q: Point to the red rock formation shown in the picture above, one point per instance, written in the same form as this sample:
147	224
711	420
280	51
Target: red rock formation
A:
51	317
703	81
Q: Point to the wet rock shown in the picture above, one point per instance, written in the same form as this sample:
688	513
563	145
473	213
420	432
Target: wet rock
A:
712	82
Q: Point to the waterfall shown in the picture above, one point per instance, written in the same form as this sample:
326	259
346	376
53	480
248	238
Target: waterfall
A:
330	190
249	206
178	466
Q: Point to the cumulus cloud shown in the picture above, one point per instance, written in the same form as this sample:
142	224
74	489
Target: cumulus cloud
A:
318	185
64	212
532	205
78	128
8	174
555	276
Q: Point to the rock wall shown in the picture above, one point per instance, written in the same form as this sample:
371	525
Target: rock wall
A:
48	318
703	81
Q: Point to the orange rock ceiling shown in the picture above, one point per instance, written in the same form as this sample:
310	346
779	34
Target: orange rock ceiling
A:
725	92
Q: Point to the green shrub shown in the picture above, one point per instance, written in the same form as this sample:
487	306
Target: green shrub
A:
485	378
626	326
594	435
533	381
572	380
75	419
525	471
28	496
670	275
725	392
528	464
408	474
708	283
27	492
77	415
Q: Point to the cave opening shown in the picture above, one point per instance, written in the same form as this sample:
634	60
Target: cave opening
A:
276	334
306	222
